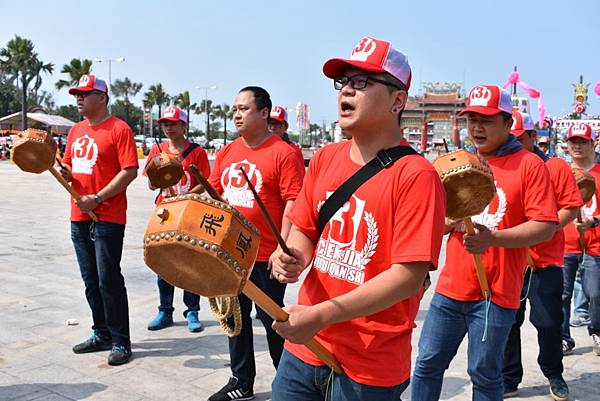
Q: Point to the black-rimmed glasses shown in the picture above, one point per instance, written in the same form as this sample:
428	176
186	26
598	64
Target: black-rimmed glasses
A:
360	81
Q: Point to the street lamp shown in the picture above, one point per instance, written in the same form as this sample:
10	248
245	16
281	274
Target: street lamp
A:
109	61
206	88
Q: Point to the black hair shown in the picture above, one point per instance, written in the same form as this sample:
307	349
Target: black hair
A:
262	98
506	116
393	80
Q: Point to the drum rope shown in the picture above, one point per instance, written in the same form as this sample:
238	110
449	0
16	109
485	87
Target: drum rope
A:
488	304
528	284
225	309
330	382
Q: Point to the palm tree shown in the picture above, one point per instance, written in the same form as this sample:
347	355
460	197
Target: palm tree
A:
125	88
183	101
75	69
206	106
156	96
20	61
224	111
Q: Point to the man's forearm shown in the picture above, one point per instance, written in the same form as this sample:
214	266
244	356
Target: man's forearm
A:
119	183
524	235
565	216
297	240
399	282
286	224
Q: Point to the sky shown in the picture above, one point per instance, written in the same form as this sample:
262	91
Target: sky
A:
282	45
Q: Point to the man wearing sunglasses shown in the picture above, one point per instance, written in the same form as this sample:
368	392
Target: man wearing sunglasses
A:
370	259
100	162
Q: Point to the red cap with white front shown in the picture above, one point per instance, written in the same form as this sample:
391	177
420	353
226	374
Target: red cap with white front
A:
581	130
278	113
488	100
522	123
372	55
173	113
89	83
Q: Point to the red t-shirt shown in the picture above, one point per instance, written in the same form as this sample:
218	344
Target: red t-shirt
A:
550	253
397	216
276	172
523	192
592	235
197	157
96	155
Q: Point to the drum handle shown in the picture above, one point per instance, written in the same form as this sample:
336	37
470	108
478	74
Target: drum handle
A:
73	193
277	313
581	235
530	262
483	283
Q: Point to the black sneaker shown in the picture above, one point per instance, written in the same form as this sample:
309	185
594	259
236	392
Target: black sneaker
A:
232	391
510	391
119	355
559	389
93	344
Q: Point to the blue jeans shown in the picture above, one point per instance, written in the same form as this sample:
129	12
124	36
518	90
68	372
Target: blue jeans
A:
446	324
299	381
581	305
99	263
166	292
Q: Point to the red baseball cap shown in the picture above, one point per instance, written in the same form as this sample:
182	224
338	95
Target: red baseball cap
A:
581	130
173	113
522	123
488	100
372	55
278	113
89	83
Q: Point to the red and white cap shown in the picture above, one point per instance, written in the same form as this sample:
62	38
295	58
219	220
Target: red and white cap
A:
581	130
522	123
543	139
89	83
278	113
488	100
372	55
173	113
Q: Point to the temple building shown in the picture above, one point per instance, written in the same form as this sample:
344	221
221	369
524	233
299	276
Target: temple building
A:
432	116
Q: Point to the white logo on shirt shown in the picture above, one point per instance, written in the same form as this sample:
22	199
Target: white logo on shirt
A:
235	188
493	220
84	153
588	211
336	252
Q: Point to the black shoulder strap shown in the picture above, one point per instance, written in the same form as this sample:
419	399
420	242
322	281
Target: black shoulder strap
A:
189	150
384	158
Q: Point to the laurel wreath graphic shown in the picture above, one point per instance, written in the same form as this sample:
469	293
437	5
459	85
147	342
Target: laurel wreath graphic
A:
372	238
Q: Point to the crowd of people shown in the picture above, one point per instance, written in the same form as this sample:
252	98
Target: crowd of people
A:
366	219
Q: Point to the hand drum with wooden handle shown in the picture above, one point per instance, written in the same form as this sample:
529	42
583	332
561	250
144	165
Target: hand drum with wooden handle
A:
164	170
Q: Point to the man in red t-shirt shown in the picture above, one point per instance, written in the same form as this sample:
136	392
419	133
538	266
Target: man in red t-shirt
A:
370	260
101	161
521	214
278	125
544	286
174	123
276	171
580	140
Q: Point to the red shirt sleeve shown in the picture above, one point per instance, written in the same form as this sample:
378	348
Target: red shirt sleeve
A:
419	218
200	160
538	200
215	174
567	192
304	213
290	179
126	150
67	156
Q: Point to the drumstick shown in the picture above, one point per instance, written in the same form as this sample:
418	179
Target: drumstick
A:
266	215
260	298
483	283
202	180
69	188
277	313
446	145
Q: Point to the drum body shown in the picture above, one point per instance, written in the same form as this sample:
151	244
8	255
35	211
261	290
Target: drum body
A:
586	184
164	170
201	245
468	181
35	151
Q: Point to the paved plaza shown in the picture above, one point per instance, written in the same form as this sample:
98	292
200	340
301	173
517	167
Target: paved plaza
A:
40	289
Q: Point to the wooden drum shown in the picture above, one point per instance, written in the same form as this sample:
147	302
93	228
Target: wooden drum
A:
468	181
586	184
164	170
201	245
34	151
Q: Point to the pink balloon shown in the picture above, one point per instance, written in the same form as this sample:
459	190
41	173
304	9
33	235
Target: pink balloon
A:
513	77
597	89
